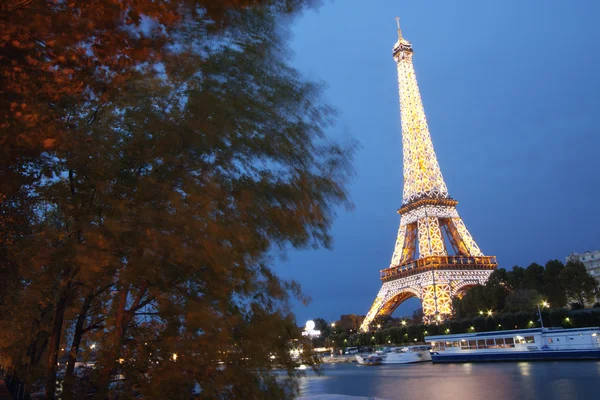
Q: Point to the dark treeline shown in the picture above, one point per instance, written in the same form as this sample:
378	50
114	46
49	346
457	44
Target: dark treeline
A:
508	300
411	334
523	289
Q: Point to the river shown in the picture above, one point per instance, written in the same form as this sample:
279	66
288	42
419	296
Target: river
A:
427	381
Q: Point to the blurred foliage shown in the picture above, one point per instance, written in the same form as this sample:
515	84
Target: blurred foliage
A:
161	151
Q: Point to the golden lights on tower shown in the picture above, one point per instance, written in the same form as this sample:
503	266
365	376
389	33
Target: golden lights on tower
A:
421	263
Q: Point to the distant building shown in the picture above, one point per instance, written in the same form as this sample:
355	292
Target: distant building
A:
591	260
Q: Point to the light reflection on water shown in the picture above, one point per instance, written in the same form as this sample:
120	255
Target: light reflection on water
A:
493	381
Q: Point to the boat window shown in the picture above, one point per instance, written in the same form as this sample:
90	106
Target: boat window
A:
489	342
509	342
529	339
456	344
465	345
472	344
550	340
481	344
519	340
499	342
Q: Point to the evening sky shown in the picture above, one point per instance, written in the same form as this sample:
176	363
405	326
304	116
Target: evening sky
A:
511	92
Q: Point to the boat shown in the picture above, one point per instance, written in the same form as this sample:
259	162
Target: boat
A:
368	359
517	345
406	355
402	355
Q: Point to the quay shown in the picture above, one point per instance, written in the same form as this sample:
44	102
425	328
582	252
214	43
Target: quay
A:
338	359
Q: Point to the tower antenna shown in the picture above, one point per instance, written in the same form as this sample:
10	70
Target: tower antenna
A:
399	30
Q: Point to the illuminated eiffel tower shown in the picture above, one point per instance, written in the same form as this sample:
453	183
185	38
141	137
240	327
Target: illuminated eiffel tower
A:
422	265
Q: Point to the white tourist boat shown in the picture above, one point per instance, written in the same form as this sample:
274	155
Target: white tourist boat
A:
517	345
368	359
400	355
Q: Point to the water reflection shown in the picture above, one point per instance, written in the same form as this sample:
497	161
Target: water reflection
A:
524	368
542	380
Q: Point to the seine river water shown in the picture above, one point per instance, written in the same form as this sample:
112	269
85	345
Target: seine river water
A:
427	381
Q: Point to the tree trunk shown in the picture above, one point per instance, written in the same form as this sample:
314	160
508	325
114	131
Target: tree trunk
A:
67	392
61	305
122	321
110	354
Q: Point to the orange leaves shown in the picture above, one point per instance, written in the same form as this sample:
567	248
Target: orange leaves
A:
49	144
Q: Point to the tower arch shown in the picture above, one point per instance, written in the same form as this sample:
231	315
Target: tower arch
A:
390	306
461	290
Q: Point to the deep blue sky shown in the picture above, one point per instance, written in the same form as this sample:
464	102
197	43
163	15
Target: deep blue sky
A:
512	93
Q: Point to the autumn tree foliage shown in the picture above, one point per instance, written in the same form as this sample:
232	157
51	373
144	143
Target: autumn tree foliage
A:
55	52
166	149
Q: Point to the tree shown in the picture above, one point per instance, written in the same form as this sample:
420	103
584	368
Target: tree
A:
325	333
55	53
497	289
578	283
533	277
523	300
483	298
498	277
474	301
417	317
553	289
176	190
349	323
516	277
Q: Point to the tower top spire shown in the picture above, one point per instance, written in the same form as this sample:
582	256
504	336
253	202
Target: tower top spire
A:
399	30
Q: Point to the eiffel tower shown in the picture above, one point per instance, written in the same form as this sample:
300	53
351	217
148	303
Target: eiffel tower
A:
422	265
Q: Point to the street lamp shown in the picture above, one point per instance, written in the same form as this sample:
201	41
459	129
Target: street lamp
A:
378	326
544	304
490	313
404	322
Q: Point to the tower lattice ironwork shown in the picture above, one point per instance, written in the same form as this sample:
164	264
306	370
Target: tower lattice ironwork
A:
422	265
